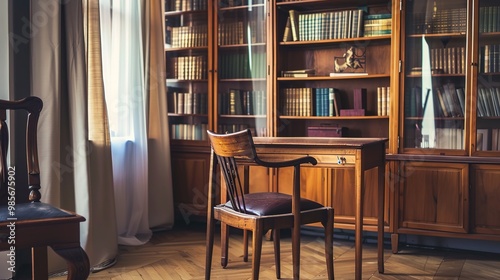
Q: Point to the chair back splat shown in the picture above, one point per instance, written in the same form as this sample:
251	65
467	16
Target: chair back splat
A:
38	225
262	211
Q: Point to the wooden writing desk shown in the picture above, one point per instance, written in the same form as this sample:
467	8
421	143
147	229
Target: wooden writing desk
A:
361	153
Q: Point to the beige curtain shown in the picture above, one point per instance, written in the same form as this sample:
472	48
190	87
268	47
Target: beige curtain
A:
74	143
75	160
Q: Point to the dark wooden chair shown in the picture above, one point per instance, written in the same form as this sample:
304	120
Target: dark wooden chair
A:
34	224
259	212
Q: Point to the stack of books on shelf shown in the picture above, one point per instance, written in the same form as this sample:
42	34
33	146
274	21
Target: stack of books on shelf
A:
190	67
377	25
323	25
187	36
186	131
298	73
242	102
310	102
187	103
488	102
186	5
383	101
489	19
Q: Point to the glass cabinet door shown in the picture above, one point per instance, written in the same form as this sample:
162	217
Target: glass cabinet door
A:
434	80
241	57
488	77
186	49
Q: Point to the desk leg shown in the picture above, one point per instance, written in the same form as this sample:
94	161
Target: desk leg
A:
358	256
381	199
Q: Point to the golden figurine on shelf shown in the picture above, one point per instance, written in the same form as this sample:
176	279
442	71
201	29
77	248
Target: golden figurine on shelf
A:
352	61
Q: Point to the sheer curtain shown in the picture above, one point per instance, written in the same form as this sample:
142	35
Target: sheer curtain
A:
124	84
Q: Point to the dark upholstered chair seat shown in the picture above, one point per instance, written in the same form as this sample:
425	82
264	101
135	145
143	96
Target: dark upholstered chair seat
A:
267	203
33	211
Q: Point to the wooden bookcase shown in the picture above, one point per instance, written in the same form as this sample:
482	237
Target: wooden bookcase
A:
441	157
447	160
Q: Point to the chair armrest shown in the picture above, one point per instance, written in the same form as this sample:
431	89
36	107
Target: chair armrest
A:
288	163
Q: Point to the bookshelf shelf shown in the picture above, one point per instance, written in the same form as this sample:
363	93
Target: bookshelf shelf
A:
242	7
338	77
438	35
356	40
180	13
335	118
186	49
243	116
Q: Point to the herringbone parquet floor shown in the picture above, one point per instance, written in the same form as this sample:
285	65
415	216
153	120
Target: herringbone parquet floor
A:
180	254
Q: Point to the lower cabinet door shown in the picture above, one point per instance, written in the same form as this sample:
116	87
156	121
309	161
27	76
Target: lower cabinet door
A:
434	196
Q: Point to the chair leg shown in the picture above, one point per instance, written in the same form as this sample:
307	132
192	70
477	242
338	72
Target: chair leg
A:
224	244
245	245
328	224
296	251
77	260
39	263
277	250
256	251
209	248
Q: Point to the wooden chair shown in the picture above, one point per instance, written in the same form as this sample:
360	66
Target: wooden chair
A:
259	212
34	224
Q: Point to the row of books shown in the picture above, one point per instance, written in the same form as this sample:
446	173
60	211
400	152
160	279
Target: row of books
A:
448	60
236	3
236	32
448	101
189	67
440	21
449	138
488	102
310	102
323	25
243	102
229	128
488	139
242	65
489	58
186	131
186	5
383	101
377	25
489	19
186	36
187	103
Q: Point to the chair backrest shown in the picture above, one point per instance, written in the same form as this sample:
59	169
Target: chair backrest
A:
32	106
226	150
